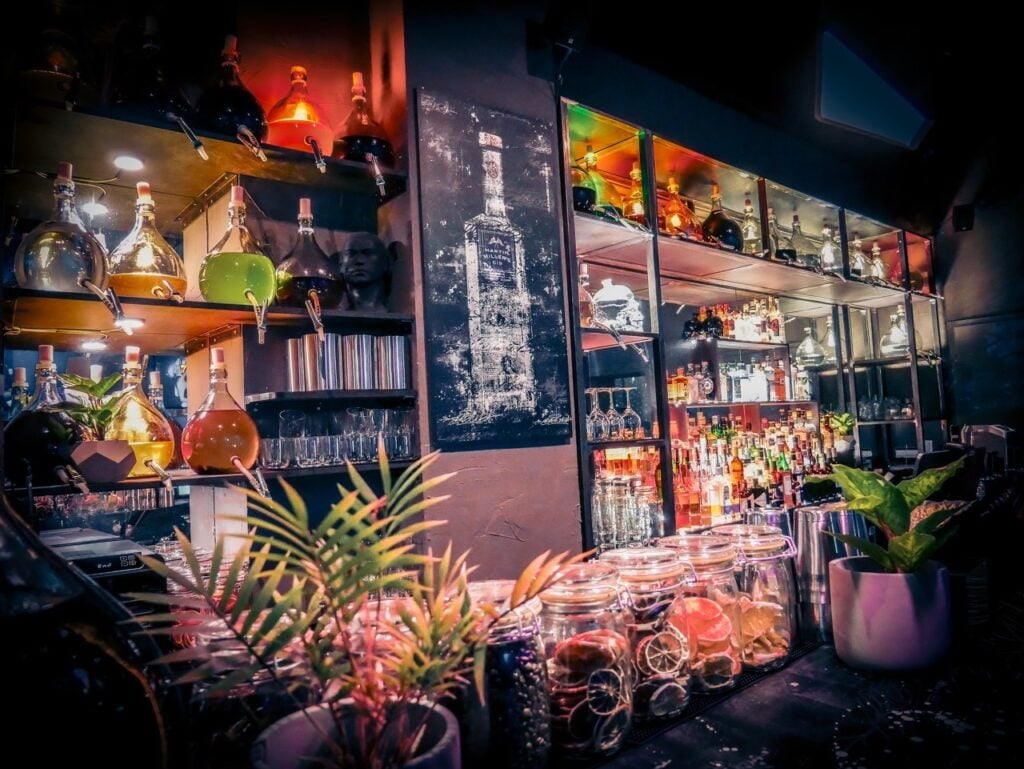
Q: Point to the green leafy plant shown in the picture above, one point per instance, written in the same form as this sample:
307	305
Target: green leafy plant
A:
305	605
840	422
96	413
912	538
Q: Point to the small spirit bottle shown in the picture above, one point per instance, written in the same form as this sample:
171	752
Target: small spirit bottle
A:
804	248
718	227
782	248
229	107
878	268
138	421
633	206
860	265
295	119
500	351
751	230
828	254
237	264
40	438
361	134
220	434
144	264
679	218
307	268
60	254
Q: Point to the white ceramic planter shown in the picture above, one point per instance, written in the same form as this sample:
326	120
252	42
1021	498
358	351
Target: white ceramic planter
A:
886	621
293	743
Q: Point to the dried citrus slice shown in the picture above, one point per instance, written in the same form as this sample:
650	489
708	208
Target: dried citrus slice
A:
701	608
611	730
604	691
661	654
668	700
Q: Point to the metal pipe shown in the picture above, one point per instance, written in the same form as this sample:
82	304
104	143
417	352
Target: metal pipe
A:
313	308
255	478
165	477
261	315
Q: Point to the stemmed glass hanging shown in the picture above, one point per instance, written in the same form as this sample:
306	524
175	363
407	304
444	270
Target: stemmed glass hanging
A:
615	422
597	420
632	425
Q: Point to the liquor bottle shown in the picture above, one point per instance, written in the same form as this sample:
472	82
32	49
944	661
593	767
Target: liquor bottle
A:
810	352
584	190
718	227
633	206
804	248
144	264
586	299
40	438
679	218
53	62
236	264
361	135
751	230
830	342
229	107
156	397
707	383
783	249
860	265
878	268
19	392
141	86
501	361
295	119
307	268
895	342
220	432
779	382
828	254
76	654
60	254
138	421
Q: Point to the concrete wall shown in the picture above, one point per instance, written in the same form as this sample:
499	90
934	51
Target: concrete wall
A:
507	506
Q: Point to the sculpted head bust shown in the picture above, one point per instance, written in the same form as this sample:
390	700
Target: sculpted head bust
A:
365	264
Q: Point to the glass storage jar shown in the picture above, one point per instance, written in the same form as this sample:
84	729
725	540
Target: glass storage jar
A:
590	678
767	593
652	578
712	608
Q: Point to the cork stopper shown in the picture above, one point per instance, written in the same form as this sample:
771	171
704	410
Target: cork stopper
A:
305	208
217	357
358	86
144	194
298	73
20	376
237	194
747	203
154	379
771	211
131	354
796	218
672	182
46	353
64	171
715	190
230	45
96	372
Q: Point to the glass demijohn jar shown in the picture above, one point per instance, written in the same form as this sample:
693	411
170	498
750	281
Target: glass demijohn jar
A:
60	254
584	190
295	120
590	676
718	227
878	269
220	436
712	608
361	135
828	254
751	230
139	422
810	352
237	264
652	578
895	342
307	268
767	593
229	107
806	253
679	219
144	264
860	264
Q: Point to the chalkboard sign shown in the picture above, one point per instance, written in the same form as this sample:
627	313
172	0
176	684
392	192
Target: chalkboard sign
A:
987	370
497	369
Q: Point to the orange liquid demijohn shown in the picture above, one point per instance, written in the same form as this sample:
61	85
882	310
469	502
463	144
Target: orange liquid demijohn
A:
211	438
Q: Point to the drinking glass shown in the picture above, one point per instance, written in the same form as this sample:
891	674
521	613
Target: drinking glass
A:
615	424
270	452
597	420
632	425
291	423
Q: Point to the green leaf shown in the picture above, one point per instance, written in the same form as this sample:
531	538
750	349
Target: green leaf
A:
909	551
875	552
938	517
871	494
917	489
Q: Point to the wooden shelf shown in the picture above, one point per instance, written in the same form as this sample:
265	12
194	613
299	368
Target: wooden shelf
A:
189	478
599	339
59	318
178	176
376	397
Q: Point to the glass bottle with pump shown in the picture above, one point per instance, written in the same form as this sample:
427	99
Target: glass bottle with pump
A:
237	265
60	254
229	107
718	227
307	268
295	120
361	134
138	422
220	437
144	263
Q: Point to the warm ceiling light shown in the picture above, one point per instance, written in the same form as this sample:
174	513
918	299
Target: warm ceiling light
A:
129	324
94	208
94	345
127	163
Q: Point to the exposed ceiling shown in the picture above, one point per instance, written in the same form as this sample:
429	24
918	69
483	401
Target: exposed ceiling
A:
957	65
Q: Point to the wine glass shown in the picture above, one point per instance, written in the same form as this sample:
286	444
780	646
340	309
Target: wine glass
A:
597	420
632	425
615	426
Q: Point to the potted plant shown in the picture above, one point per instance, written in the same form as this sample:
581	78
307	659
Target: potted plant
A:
891	606
308	612
841	424
98	460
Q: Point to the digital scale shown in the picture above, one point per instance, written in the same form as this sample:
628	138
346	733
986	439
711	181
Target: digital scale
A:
114	563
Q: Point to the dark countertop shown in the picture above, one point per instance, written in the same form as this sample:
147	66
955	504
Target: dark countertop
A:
817	713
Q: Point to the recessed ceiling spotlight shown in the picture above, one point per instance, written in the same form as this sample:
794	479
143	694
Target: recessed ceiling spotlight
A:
94	208
127	163
129	324
94	345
